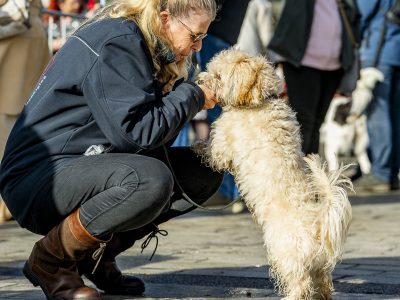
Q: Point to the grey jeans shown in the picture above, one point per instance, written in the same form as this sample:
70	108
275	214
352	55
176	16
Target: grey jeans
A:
121	192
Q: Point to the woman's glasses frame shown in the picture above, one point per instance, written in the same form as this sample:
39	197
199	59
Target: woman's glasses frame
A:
196	37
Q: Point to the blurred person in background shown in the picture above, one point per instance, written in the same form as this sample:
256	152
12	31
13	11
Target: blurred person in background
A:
257	27
380	48
23	58
311	38
65	25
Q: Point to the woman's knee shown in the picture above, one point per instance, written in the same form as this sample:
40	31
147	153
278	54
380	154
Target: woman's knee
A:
139	198
154	184
159	183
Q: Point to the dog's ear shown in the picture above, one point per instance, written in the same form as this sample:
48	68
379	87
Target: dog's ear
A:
256	81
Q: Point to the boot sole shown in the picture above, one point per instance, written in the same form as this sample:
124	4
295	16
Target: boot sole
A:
126	292
36	282
118	289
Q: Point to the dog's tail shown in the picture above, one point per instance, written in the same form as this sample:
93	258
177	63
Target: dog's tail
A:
334	209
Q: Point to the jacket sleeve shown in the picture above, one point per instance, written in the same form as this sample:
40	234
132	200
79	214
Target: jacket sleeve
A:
122	93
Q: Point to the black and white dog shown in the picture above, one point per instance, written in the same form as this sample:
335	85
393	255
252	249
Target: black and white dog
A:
345	129
343	137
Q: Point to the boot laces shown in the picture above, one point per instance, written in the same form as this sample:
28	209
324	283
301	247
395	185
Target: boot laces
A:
98	254
152	235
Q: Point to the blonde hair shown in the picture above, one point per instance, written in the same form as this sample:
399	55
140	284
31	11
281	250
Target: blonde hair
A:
146	14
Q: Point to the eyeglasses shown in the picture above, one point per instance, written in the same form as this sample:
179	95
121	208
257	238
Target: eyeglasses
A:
194	36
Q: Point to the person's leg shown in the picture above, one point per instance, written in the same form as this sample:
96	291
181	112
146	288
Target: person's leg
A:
115	192
84	204
122	192
329	83
395	120
6	124
303	88
380	127
5	214
52	262
197	180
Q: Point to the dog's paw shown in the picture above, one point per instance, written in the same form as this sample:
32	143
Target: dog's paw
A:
200	147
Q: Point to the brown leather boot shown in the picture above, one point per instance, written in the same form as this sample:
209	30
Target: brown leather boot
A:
107	276
52	263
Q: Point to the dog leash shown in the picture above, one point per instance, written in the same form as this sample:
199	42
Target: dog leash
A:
186	197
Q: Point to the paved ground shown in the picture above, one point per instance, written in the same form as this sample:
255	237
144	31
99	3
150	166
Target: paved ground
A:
220	256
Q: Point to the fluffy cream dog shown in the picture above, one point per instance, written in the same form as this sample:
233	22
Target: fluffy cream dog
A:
304	211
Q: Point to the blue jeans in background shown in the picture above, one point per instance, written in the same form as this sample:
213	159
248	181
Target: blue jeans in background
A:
383	120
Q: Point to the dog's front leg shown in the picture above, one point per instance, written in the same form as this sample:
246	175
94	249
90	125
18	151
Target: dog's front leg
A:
220	149
215	152
203	149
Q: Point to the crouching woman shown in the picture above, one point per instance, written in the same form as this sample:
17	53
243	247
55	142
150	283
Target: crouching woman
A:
85	164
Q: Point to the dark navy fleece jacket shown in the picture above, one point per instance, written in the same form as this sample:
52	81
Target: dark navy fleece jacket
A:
99	88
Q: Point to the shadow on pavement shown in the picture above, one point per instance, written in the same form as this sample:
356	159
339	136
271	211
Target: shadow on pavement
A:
11	269
384	198
235	282
369	275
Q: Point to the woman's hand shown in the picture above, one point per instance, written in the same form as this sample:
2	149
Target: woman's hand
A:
209	96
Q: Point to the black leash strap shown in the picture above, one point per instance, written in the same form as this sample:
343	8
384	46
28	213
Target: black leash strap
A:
185	196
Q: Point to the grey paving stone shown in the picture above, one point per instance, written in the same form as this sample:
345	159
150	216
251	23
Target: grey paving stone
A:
221	256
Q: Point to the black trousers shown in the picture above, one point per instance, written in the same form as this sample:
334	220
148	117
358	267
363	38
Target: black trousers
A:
310	92
121	192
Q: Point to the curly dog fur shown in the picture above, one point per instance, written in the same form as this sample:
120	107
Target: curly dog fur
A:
302	208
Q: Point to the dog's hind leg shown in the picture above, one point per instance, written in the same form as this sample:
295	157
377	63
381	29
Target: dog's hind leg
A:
290	256
299	289
330	151
365	164
311	285
361	145
323	286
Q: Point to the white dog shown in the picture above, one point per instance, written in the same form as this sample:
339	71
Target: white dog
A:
345	126
304	211
343	137
362	95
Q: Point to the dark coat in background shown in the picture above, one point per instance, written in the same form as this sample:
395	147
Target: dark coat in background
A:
294	26
229	20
